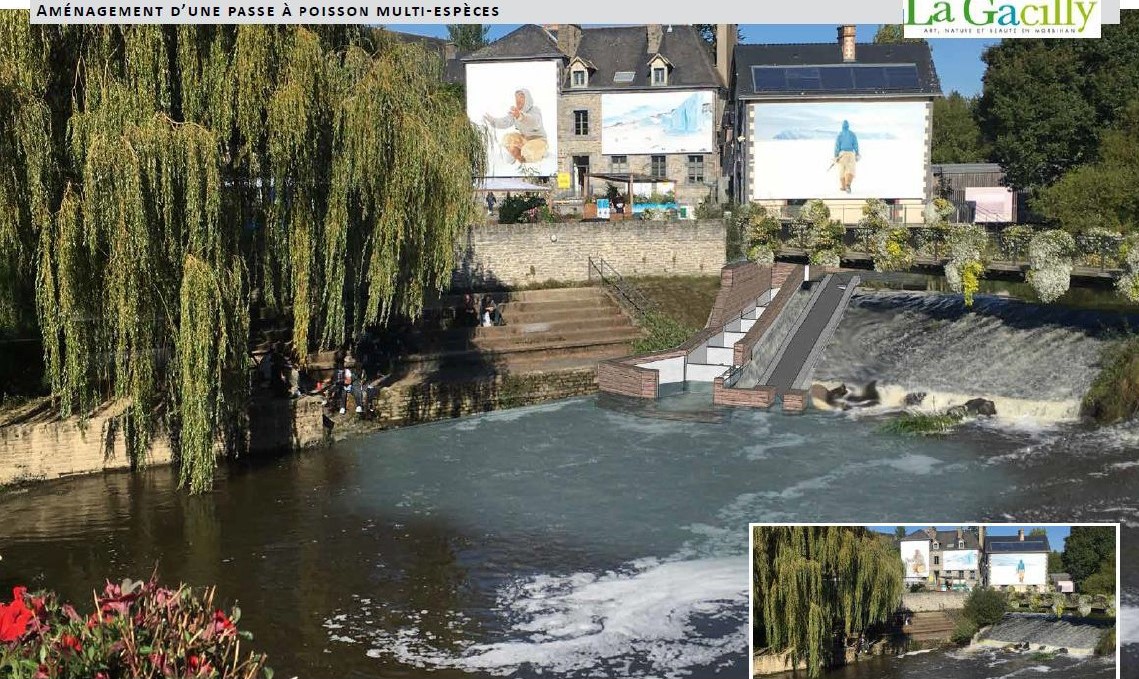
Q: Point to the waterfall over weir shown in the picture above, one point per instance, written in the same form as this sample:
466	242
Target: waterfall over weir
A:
1078	636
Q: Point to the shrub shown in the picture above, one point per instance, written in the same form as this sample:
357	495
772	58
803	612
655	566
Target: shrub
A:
761	253
1050	263
1014	241
514	209
1114	393
964	631
966	267
1058	604
825	258
985	606
137	630
1099	246
1128	283
891	249
1106	645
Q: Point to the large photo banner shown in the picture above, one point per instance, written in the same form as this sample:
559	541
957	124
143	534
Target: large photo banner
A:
959	560
1018	569
658	123
834	150
915	559
516	105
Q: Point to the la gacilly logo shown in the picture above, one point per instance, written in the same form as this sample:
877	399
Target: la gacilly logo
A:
1001	18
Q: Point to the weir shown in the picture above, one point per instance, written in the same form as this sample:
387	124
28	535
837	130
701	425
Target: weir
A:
1043	632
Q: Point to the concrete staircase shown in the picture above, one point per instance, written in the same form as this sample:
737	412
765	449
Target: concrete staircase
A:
929	627
556	329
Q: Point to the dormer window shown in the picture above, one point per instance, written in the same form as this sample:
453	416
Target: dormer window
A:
936	544
659	68
579	72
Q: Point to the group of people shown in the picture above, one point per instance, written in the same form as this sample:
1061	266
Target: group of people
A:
350	381
474	313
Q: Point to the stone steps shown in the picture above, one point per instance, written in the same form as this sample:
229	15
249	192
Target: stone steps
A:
507	342
929	626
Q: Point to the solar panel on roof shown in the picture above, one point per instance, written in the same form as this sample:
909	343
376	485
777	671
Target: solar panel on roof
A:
836	78
624	76
1018	546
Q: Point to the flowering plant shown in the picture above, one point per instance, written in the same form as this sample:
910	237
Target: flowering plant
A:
966	264
1050	263
138	629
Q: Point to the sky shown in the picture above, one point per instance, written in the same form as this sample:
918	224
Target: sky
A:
1056	534
958	60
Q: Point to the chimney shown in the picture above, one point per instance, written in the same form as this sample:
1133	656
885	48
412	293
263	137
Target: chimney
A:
846	42
569	37
449	51
725	47
655	34
981	537
1020	535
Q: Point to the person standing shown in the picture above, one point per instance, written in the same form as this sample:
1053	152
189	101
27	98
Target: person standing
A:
491	201
846	156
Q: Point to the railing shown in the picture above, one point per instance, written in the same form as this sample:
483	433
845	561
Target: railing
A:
625	290
1093	252
733	375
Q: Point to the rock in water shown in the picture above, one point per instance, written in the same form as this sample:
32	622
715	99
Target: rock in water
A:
914	399
981	406
868	397
835	396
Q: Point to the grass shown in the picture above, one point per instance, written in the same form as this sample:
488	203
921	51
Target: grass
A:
1114	394
686	299
922	424
1106	645
664	332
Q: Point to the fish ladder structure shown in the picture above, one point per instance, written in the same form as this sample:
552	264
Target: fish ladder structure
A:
764	336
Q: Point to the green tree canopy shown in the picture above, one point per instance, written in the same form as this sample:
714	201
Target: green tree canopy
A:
1038	533
893	33
1086	549
1055	562
157	179
956	135
469	37
811	582
1045	103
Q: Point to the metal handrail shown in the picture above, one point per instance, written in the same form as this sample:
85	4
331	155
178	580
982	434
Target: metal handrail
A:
617	283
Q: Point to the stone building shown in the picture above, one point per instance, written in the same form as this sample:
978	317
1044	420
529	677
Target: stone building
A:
639	104
953	557
794	105
1017	562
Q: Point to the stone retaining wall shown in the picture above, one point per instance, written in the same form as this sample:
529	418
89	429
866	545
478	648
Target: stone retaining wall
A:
922	602
524	254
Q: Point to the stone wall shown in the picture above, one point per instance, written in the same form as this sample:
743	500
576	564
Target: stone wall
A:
923	602
755	397
788	287
54	449
524	254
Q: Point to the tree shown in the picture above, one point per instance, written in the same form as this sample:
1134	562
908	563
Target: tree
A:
155	176
1055	562
708	34
900	532
469	37
956	135
1045	103
1038	533
1100	194
1086	549
893	34
985	606
811	582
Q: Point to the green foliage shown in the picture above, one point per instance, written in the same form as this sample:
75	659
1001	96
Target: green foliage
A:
1102	581
664	332
963	632
709	208
136	630
1014	242
1114	393
813	230
922	424
513	208
966	265
1055	562
1050	255
1086	549
810	581
892	34
468	37
155	175
1106	644
985	606
1100	194
956	134
1045	103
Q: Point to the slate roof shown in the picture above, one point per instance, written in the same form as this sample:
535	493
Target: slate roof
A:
946	538
818	54
525	42
626	48
1012	544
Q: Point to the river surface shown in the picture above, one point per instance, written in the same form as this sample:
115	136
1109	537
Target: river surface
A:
577	540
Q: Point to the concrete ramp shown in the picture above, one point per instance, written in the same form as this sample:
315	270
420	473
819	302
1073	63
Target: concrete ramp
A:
1044	632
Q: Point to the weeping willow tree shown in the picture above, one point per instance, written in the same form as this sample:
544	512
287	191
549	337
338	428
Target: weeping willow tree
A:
811	583
157	182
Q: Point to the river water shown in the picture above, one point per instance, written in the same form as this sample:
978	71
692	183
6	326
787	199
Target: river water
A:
577	540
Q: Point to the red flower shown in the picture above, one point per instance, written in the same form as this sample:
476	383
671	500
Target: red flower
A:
222	623
41	673
14	617
70	642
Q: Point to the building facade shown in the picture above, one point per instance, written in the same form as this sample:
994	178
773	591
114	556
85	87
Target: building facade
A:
1017	562
943	560
840	122
628	104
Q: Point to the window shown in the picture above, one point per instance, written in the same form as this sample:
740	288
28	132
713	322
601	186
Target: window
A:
659	77
581	123
695	169
936	544
937	561
659	166
578	78
619	163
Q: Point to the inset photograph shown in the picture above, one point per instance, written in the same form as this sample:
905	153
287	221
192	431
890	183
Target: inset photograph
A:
950	601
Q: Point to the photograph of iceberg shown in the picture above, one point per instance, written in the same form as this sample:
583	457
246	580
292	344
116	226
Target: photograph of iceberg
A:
657	122
796	149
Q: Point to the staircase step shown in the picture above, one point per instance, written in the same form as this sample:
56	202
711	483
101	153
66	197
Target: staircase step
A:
514	317
505	336
546	295
577	305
